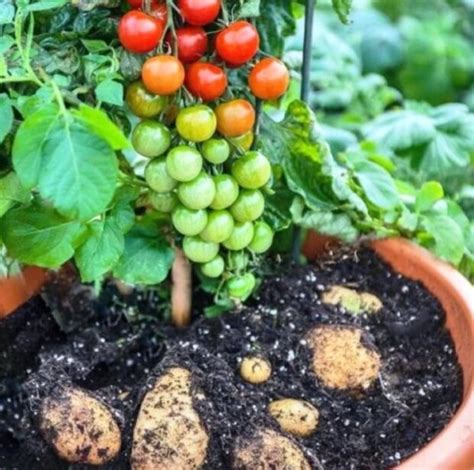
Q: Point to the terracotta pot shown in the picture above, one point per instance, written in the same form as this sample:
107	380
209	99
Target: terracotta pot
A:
16	290
453	448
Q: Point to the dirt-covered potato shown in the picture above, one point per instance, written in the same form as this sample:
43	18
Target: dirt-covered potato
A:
79	427
255	369
341	360
297	417
269	450
351	300
370	303
346	298
169	433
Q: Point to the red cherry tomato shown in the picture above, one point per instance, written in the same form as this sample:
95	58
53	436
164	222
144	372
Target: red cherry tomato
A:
238	43
139	3
163	75
206	81
199	12
269	79
192	43
139	32
160	12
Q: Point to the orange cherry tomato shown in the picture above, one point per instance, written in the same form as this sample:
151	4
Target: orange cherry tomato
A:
163	75
206	81
269	79
235	118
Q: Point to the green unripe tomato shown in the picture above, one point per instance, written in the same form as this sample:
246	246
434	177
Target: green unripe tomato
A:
220	225
142	103
216	151
184	163
243	142
238	260
249	205
163	202
199	251
241	236
240	287
188	221
157	177
252	171
151	138
213	268
198	193
227	191
262	239
196	123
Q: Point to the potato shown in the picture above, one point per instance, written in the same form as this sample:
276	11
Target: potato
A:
79	427
168	433
348	299
370	303
352	301
340	360
269	450
255	369
297	417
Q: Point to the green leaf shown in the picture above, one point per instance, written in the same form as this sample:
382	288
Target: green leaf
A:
46	5
71	166
324	222
6	116
429	193
11	192
378	185
448	237
277	209
147	258
95	45
39	236
28	147
250	9
110	91
7	11
400	130
343	9
101	251
99	123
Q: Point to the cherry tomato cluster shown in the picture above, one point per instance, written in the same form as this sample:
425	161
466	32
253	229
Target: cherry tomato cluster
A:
209	185
202	172
201	58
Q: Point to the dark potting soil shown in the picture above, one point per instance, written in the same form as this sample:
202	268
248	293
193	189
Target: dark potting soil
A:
115	346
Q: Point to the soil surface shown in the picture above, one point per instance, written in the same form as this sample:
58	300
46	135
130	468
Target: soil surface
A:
116	345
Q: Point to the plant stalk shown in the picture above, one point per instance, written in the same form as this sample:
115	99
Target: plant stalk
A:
305	90
181	290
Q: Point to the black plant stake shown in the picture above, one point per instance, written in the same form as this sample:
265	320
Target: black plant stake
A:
305	89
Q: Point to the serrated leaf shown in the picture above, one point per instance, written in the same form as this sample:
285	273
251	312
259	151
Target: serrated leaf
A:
429	193
277	209
448	237
324	222
99	123
110	91
6	116
39	236
400	130
378	185
147	258
343	9
11	192
101	251
71	166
